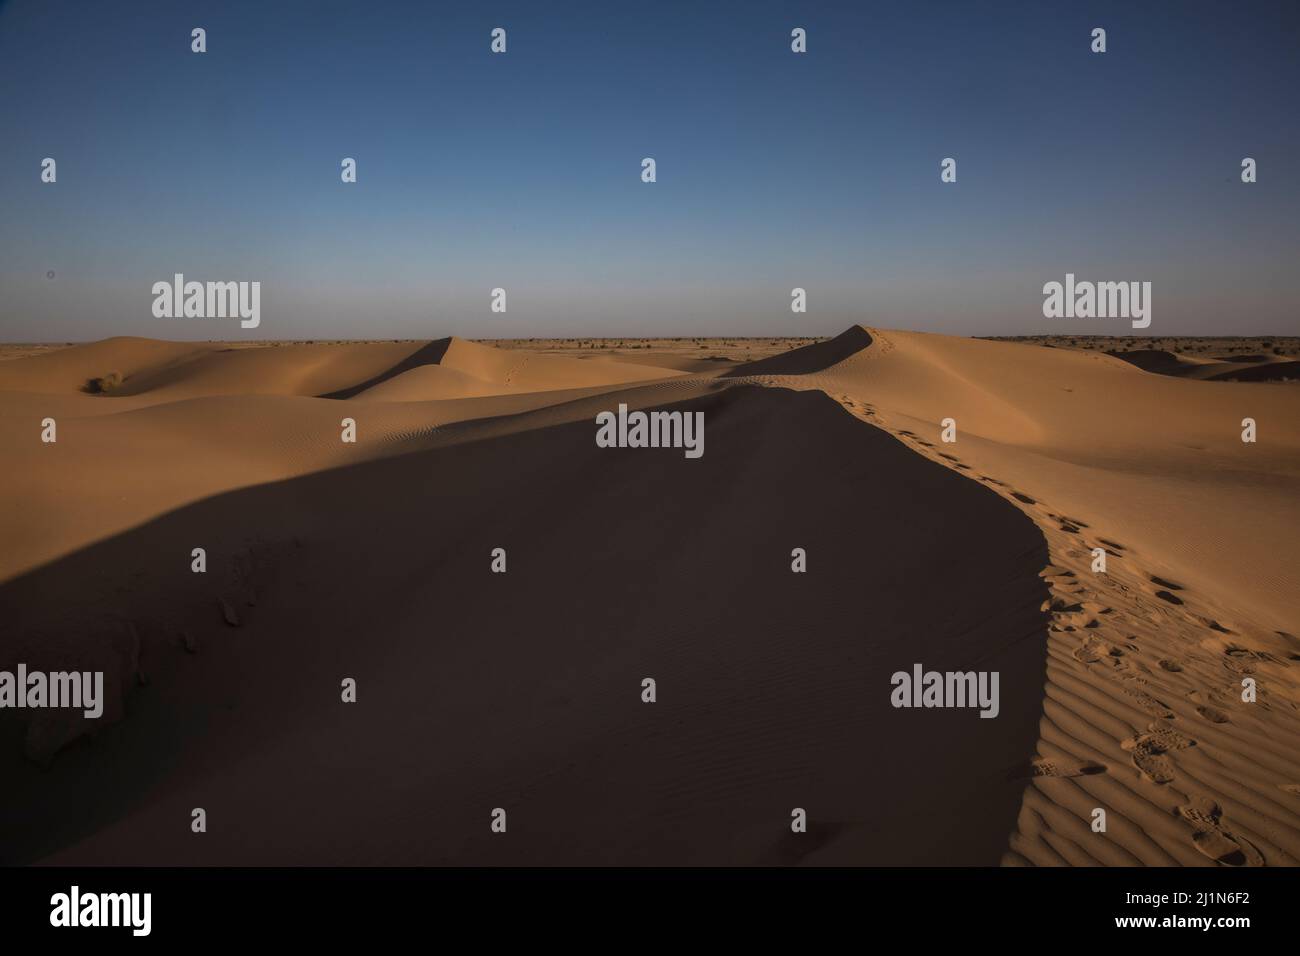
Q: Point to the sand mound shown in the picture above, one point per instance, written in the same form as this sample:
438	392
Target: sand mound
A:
70	369
429	354
432	383
454	368
153	372
149	372
1264	372
1145	660
1235	368
525	371
1157	360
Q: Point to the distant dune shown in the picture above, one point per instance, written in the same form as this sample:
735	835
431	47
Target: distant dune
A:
1240	368
371	560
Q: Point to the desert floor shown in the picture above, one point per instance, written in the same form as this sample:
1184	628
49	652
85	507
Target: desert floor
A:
326	560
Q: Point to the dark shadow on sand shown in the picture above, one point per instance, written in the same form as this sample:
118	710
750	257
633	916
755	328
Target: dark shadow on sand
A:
809	358
523	690
430	354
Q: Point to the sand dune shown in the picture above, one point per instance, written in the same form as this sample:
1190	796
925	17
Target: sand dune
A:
521	690
1202	584
1236	368
152	371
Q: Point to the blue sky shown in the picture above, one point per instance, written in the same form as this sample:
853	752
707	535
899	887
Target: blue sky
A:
522	170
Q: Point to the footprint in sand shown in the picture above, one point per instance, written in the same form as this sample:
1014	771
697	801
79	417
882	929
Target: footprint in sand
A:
1148	704
1172	666
1157	768
1091	652
1062	606
1097	651
1023	499
1062	767
1212	624
1240	661
1218	846
1150	752
1165	738
1213	714
1213	706
1095	607
1201	812
1213	839
1068	524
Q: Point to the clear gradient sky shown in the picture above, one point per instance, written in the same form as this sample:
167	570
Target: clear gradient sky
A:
522	170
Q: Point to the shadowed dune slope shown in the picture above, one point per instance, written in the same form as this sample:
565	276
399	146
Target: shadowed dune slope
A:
1261	372
810	358
1240	368
425	355
1152	659
1159	361
1150	460
523	690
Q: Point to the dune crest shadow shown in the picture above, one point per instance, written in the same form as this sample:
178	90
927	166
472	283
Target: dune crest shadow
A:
808	359
429	354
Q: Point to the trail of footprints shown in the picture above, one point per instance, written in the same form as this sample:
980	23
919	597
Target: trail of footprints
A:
1212	837
1108	640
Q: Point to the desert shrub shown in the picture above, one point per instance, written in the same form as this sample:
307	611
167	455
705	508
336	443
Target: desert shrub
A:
105	384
